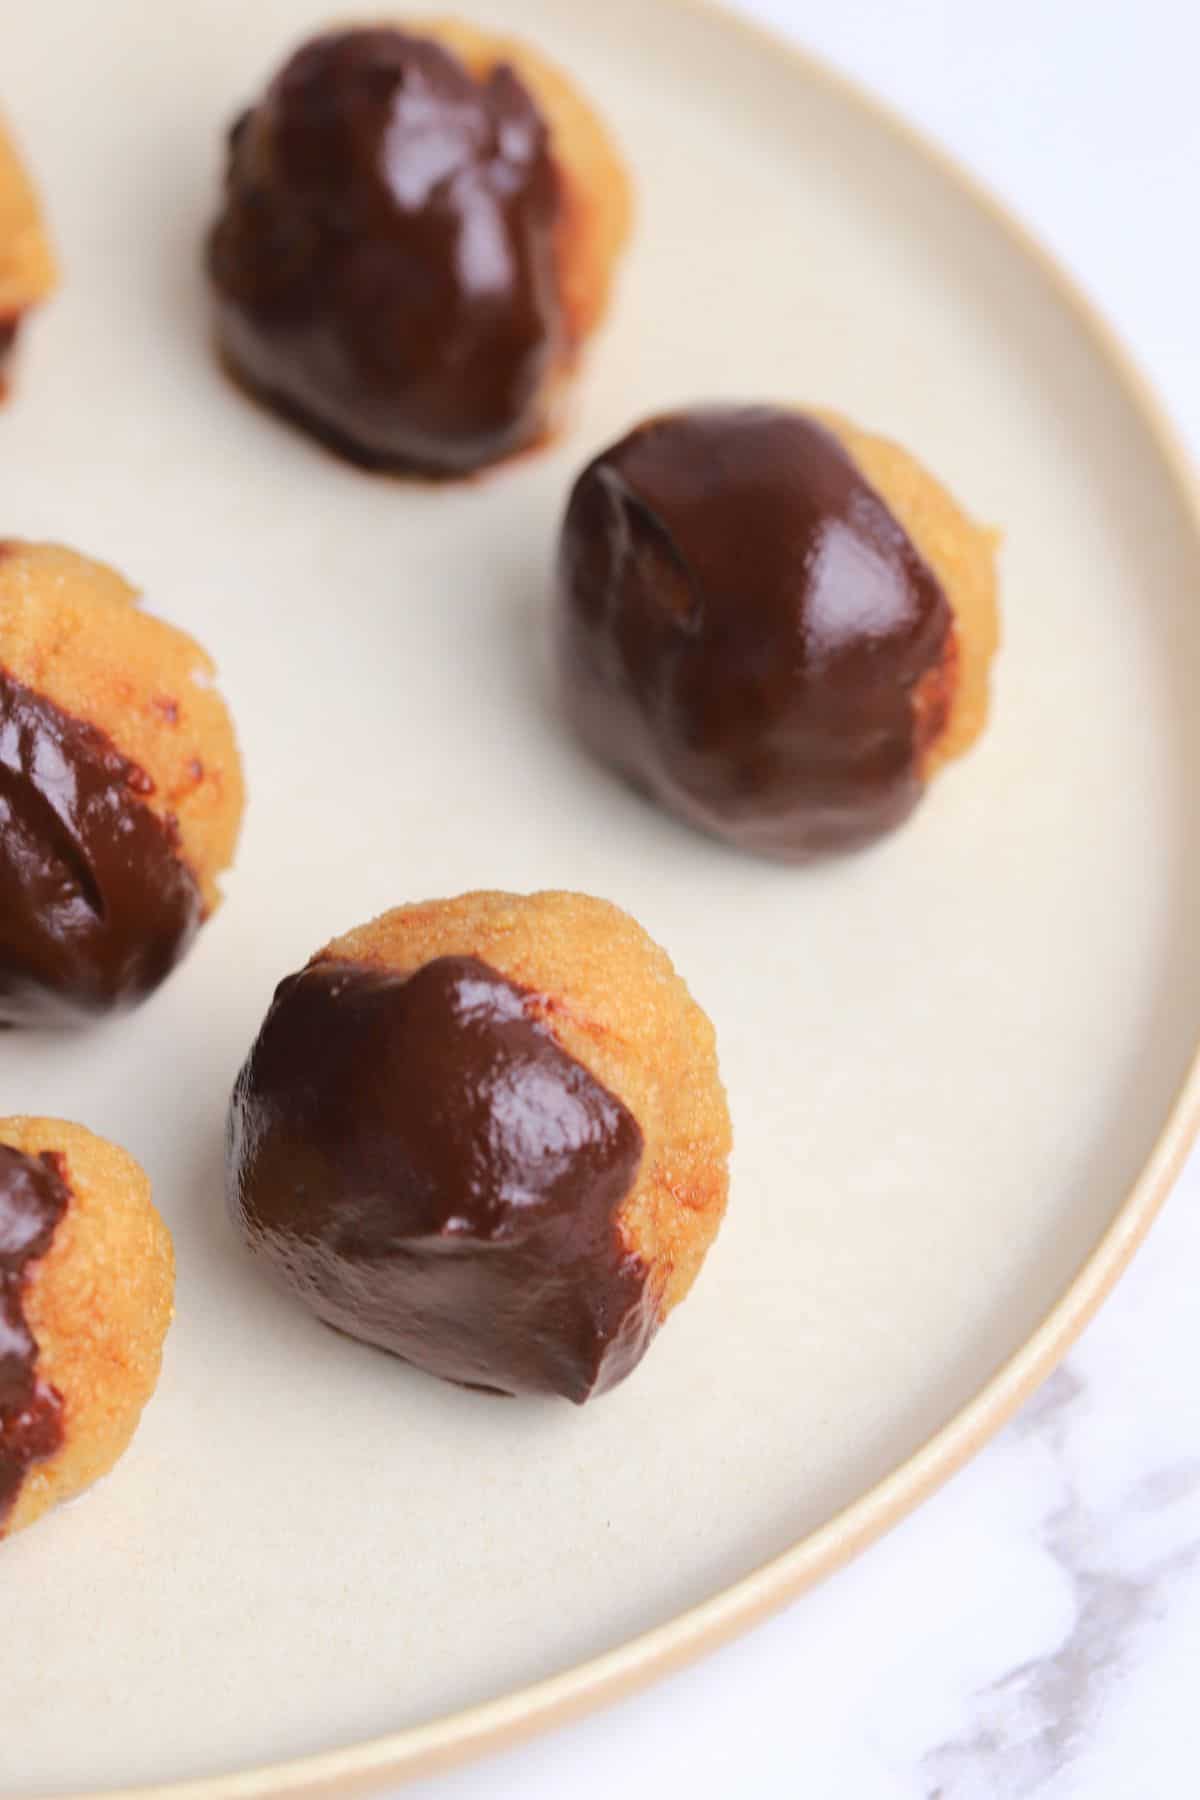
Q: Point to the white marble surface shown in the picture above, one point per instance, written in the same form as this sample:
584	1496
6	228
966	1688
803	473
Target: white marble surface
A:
1035	1629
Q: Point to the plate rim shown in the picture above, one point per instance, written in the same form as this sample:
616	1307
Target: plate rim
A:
491	1725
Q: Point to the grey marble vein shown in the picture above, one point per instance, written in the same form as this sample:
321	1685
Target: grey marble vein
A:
1029	1722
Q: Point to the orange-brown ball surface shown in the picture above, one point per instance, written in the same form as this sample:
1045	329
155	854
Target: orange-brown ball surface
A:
27	267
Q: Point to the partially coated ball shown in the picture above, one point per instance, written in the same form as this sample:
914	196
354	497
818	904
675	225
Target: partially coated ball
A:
87	1277
120	790
419	230
778	626
489	1135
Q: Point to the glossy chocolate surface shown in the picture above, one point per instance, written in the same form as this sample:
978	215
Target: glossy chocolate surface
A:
420	1161
744	628
385	263
96	906
33	1199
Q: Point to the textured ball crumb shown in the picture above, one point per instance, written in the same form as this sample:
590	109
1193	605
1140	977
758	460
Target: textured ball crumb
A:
99	1304
27	267
73	631
615	1003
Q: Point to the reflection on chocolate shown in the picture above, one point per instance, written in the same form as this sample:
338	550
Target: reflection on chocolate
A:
418	1159
96	906
385	263
746	631
33	1198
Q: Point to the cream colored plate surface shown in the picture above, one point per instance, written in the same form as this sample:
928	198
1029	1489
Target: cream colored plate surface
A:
950	1060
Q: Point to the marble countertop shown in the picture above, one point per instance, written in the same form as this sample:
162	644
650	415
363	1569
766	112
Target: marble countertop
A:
1034	1630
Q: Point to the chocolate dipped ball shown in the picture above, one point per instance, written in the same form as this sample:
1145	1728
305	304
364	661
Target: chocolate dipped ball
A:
419	229
776	625
488	1135
120	790
87	1276
27	268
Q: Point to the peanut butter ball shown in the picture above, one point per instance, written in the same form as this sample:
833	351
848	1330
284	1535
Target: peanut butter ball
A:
87	1276
775	624
27	268
487	1134
420	228
120	790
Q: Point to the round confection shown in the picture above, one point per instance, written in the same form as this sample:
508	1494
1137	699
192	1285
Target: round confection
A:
120	790
87	1276
27	267
775	624
419	228
489	1135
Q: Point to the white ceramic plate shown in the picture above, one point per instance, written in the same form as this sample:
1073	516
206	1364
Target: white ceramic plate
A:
956	1063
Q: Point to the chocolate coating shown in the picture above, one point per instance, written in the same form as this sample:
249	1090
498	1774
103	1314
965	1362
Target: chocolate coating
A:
33	1199
385	264
9	331
96	906
419	1159
746	631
